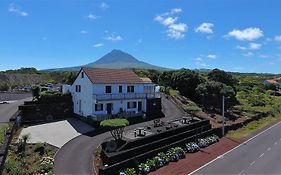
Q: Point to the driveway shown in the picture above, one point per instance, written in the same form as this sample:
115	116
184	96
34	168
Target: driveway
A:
76	156
56	133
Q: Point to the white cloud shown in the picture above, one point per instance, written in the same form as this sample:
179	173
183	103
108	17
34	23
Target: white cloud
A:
98	45
92	17
278	38
212	56
248	34
83	31
264	56
200	64
113	37
174	30
254	46
198	59
104	6
241	47
16	9
205	28
248	54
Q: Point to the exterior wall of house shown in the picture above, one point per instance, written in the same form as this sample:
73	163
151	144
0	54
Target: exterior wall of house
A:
84	97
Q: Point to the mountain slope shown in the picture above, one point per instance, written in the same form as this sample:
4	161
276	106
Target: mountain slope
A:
116	59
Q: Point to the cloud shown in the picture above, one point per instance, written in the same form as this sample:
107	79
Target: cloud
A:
251	46
104	6
113	37
98	45
254	46
174	29
92	17
212	56
248	34
199	62
16	9
248	54
205	28
241	47
278	38
198	59
83	31
264	56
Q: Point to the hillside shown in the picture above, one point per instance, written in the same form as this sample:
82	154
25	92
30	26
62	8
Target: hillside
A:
115	59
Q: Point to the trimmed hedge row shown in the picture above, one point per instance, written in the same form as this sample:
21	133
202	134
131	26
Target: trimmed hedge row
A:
172	155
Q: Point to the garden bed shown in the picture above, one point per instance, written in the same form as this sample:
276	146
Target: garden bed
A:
24	158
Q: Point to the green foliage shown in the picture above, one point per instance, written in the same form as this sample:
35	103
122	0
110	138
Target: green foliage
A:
35	92
191	108
23	70
53	96
211	93
3	131
130	171
117	122
223	77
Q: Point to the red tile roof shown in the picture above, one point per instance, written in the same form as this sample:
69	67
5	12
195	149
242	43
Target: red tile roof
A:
102	75
271	81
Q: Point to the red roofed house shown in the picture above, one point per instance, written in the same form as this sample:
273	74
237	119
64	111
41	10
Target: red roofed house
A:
102	93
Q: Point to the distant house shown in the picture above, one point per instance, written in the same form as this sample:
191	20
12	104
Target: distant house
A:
272	83
103	93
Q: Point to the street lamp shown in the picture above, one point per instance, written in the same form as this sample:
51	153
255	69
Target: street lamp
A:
223	115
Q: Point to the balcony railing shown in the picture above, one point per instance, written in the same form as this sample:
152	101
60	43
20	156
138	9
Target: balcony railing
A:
101	97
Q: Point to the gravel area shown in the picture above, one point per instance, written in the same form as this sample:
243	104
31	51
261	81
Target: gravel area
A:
196	160
13	96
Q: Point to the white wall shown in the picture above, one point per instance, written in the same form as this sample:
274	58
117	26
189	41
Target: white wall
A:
86	95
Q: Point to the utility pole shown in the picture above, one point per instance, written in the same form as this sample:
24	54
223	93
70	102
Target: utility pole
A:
223	115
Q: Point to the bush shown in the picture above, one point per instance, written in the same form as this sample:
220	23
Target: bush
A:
3	131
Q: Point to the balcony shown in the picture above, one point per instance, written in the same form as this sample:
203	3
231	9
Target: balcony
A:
127	96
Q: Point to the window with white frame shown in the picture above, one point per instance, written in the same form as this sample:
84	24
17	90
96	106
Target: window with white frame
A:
99	107
131	105
78	88
130	89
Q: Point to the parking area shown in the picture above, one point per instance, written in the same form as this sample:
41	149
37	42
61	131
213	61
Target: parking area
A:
56	133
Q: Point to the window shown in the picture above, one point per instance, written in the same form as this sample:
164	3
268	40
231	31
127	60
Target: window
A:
120	89
78	88
130	89
131	104
82	74
98	107
148	89
107	89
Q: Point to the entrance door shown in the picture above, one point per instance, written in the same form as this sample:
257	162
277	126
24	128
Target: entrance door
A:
80	106
139	106
109	108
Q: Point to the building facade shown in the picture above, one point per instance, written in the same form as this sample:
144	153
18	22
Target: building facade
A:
102	93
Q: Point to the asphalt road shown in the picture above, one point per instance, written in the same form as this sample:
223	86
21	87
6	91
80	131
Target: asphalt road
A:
76	156
7	110
259	155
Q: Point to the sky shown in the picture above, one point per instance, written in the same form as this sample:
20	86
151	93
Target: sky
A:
233	35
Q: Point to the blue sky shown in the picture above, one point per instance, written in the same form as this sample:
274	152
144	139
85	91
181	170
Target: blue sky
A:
234	35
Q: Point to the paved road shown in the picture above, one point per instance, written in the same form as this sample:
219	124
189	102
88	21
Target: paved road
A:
75	157
260	155
7	110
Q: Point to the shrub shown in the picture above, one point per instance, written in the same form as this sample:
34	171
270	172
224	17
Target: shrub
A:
3	131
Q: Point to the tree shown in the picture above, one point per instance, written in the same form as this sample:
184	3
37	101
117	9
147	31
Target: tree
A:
35	93
211	93
223	77
186	81
116	126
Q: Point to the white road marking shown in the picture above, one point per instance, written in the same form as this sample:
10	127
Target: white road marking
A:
253	163
261	155
236	148
241	172
268	149
275	143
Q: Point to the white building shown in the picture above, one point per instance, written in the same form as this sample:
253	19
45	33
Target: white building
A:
102	93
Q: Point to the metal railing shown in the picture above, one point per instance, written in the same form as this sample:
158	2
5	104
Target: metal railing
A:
125	96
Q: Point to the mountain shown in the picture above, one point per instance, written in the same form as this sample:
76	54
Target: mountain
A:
116	59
